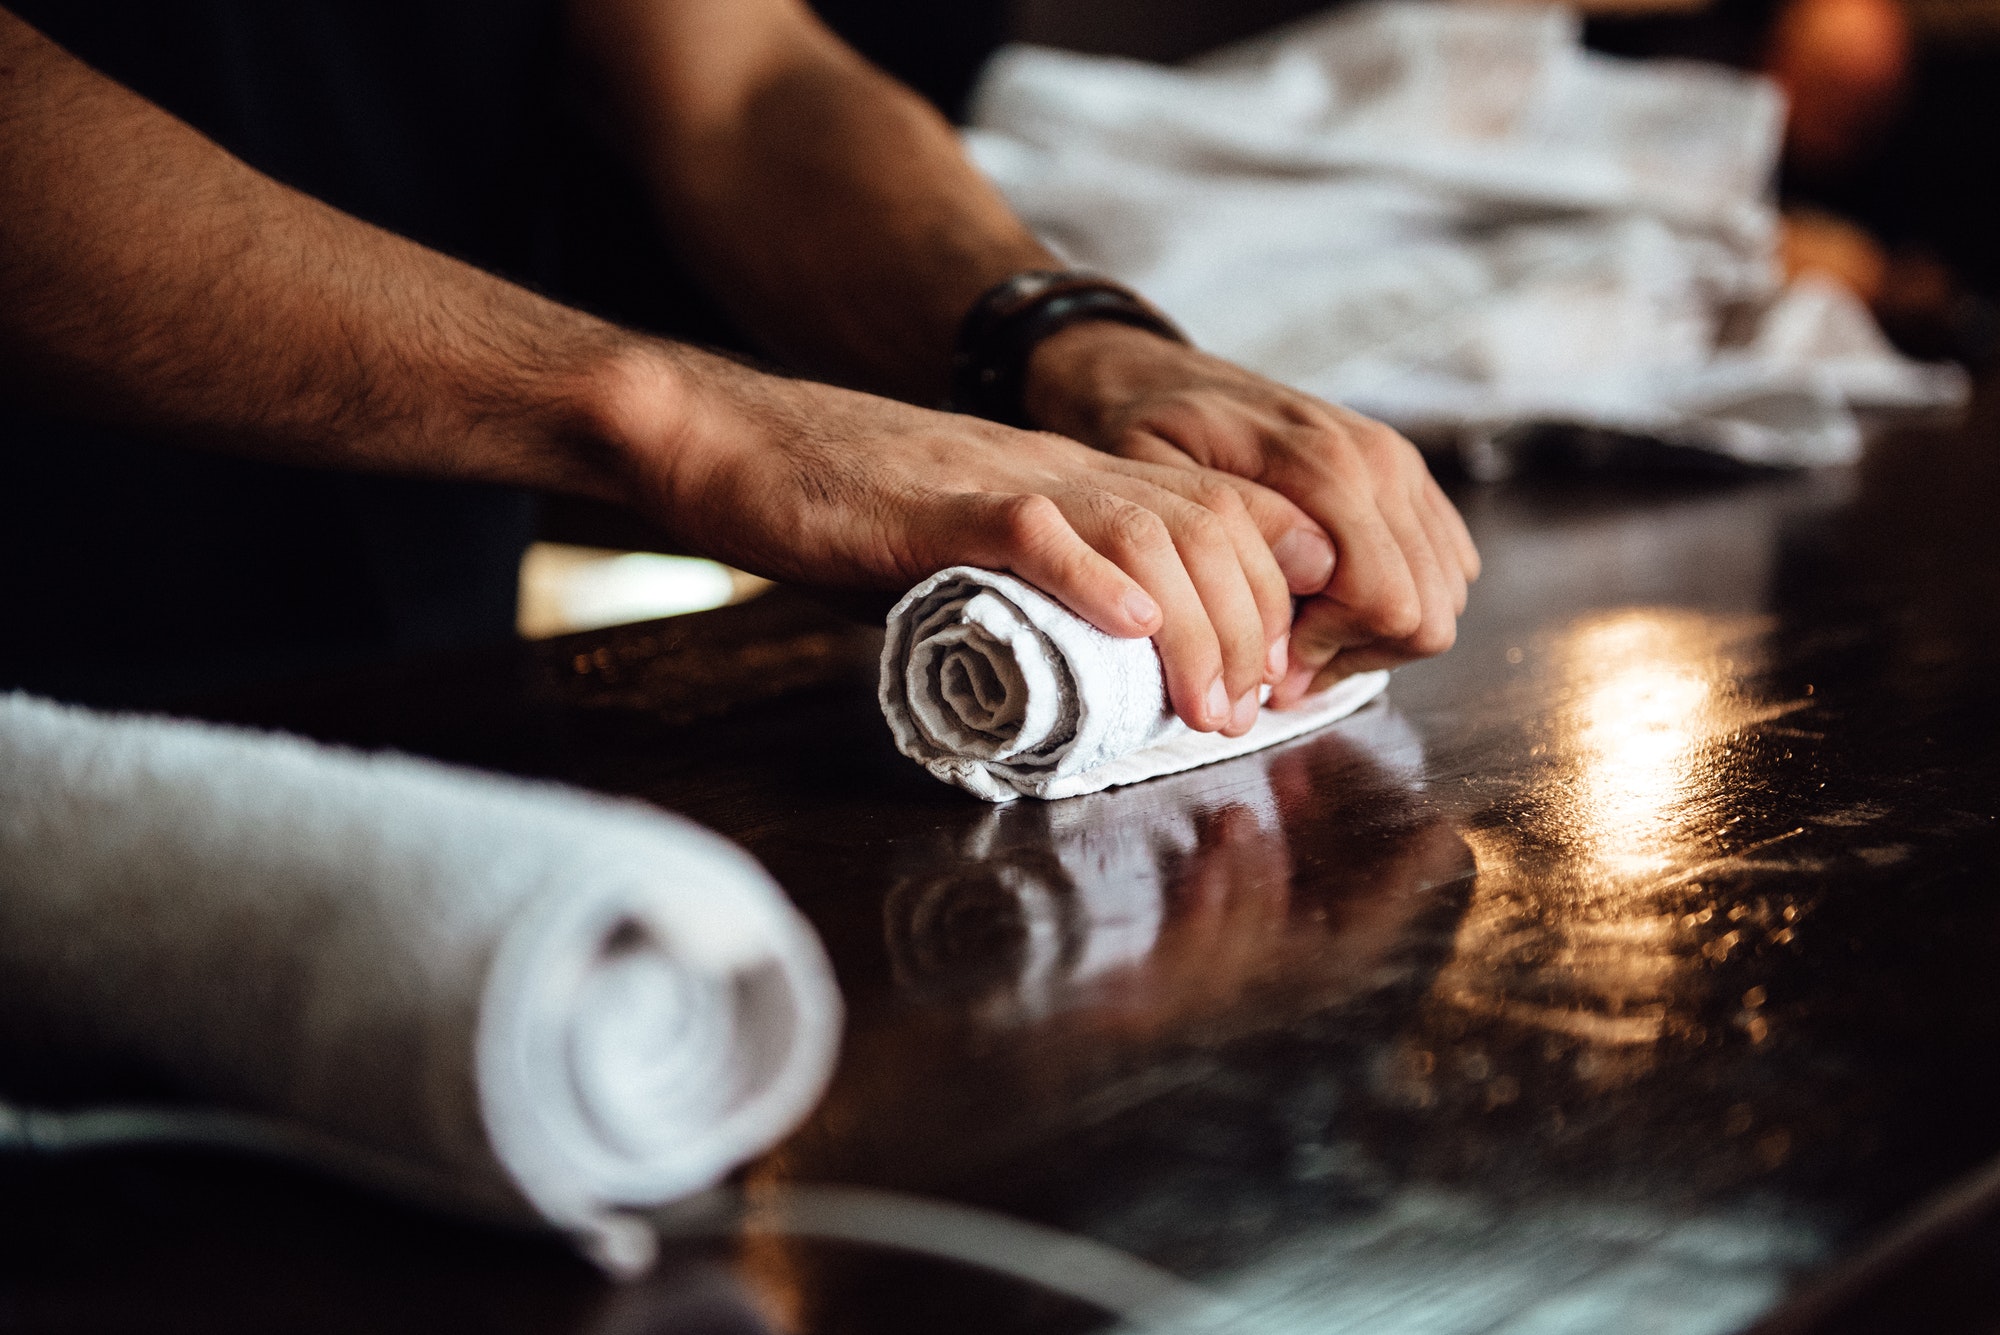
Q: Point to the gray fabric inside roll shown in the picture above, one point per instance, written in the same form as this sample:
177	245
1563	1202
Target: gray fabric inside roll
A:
992	685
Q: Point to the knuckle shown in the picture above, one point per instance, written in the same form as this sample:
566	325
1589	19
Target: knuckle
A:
1203	529
1267	511
1346	467
1218	497
1387	449
1434	637
1242	638
1381	436
1031	522
1318	442
1395	617
1134	528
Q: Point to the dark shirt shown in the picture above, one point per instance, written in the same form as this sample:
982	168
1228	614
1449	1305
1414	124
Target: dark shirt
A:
132	571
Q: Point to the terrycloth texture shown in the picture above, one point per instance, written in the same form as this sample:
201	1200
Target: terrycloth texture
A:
1458	220
528	1000
992	685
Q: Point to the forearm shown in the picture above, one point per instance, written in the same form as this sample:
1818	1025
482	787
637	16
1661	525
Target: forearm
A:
832	209
149	278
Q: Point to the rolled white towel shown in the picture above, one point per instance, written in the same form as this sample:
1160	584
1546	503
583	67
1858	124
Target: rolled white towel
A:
511	997
992	685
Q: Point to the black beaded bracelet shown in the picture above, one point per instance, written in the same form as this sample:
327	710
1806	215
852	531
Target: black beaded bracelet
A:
990	366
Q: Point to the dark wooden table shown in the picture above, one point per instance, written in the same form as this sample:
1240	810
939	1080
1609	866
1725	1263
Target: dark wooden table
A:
1634	969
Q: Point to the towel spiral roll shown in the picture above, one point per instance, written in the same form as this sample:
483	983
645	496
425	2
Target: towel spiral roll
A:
994	686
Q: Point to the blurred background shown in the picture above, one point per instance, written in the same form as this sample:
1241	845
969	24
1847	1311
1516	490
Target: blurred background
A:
1889	151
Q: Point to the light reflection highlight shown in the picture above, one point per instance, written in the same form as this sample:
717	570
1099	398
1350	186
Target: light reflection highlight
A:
1638	725
1590	920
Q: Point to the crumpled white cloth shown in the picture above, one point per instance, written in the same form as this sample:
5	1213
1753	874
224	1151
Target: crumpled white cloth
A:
992	685
1456	219
508	997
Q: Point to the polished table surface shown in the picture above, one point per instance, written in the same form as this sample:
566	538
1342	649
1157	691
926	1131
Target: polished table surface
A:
1632	968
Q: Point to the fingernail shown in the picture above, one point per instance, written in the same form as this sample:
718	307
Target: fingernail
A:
1141	608
1218	701
1245	713
1274	659
1294	685
1306	557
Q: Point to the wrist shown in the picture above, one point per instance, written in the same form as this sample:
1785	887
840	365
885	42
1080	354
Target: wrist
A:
1014	318
1078	377
623	427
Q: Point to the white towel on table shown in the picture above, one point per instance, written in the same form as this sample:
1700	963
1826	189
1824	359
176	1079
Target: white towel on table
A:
994	686
1455	218
514	997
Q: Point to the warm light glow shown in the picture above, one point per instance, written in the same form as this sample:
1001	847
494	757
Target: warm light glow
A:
1638	724
1587	924
566	589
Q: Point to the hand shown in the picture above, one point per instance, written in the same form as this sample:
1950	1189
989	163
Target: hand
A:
810	483
1403	557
